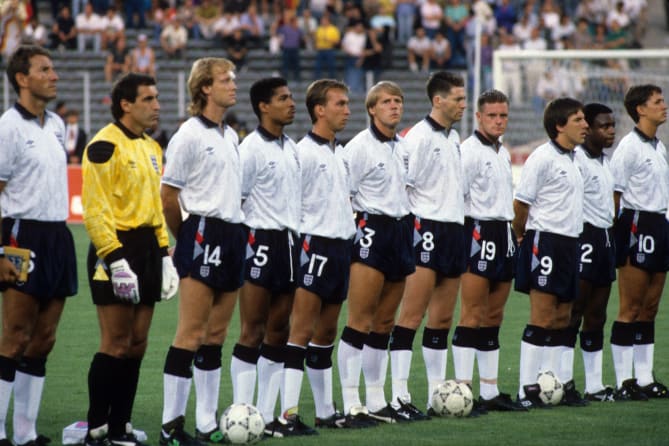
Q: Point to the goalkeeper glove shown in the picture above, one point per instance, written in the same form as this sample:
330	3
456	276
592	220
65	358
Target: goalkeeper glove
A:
124	281
170	283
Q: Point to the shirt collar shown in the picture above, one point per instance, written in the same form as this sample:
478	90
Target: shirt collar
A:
27	115
561	150
267	135
207	122
323	141
485	141
646	138
380	136
587	153
126	131
435	125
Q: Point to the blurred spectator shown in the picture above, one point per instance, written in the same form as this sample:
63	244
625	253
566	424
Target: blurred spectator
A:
456	15
226	24
383	15
36	32
186	15
522	30
118	60
326	41
599	39
431	15
582	37
308	24
617	37
60	109
506	15
113	28
534	69
375	47
512	74
418	50
238	49
547	89
353	46
637	11
174	38
564	29
206	16
549	14
619	15
291	37
142	57
591	10
236	7
64	32
253	26
318	8
13	15
75	137
89	29
135	13
157	17
406	15
440	52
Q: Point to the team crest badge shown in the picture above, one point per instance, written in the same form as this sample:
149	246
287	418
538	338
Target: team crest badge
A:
204	271
482	265
424	257
364	253
154	163
542	280
308	279
640	257
255	272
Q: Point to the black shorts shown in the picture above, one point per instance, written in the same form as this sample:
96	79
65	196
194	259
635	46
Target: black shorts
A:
211	251
272	260
643	238
325	266
439	246
548	263
53	262
491	248
385	244
140	248
598	255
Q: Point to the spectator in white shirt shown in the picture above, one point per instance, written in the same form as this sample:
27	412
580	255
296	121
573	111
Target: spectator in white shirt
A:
89	29
174	37
418	50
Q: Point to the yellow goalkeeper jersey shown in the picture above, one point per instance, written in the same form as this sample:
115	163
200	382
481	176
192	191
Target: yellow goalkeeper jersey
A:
121	187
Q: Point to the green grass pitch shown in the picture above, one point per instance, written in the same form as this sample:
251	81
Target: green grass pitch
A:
66	398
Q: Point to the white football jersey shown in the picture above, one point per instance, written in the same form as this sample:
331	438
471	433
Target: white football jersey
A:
33	164
377	174
434	172
640	173
202	160
326	207
270	181
487	179
552	186
598	205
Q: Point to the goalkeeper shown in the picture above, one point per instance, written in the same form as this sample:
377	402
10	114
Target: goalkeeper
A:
124	219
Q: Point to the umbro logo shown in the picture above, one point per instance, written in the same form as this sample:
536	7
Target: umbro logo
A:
272	164
322	167
381	166
209	150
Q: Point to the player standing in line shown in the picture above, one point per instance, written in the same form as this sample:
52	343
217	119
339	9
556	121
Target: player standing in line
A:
490	246
597	265
271	194
203	175
382	253
129	269
548	209
327	230
641	184
434	188
33	208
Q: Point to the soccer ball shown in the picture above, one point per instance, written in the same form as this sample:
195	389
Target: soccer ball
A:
242	424
551	388
452	399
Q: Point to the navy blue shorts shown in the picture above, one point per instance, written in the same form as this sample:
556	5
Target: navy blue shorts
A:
140	248
492	249
440	246
548	263
385	244
643	238
598	255
325	266
53	262
211	251
272	260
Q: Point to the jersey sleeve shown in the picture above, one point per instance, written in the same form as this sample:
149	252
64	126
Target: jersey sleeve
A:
355	161
469	168
8	153
530	178
249	160
96	190
621	167
415	156
178	161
